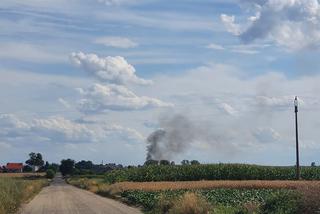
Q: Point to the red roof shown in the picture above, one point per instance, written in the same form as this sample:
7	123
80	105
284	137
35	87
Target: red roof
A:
14	165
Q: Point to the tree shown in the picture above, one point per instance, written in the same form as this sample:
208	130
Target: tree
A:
164	162
313	164
185	162
67	167
35	160
194	162
27	168
84	165
151	162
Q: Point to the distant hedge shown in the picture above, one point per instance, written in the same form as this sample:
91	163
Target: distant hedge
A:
210	172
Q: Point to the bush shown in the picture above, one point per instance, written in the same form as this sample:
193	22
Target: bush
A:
50	174
282	203
191	203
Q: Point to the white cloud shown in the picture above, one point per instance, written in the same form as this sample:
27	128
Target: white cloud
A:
242	49
117	42
114	70
57	129
29	53
65	103
229	22
215	46
100	98
266	135
294	24
226	108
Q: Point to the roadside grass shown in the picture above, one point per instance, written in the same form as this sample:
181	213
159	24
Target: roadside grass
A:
15	190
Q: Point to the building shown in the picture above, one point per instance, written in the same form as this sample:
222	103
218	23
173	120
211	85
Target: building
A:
14	167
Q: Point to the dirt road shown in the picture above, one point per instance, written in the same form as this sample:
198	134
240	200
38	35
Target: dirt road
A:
61	198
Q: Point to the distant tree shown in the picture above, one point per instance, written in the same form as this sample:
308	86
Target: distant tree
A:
35	160
54	167
313	164
164	162
67	167
151	162
27	168
185	162
84	165
50	173
172	163
194	162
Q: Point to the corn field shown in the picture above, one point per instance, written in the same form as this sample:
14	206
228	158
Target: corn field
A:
210	172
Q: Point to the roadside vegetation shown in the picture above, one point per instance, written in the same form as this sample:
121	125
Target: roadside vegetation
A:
18	188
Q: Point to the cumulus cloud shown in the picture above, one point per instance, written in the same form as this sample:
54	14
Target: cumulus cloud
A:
109	69
99	98
117	42
266	135
228	109
57	129
294	24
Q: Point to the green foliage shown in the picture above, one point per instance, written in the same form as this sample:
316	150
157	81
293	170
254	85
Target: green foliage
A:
67	167
164	162
84	165
210	172
35	159
194	162
151	162
27	168
50	173
222	198
282	203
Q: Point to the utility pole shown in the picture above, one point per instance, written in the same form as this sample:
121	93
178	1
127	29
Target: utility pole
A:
297	138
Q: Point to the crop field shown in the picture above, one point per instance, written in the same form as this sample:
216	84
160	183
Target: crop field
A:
21	175
224	196
15	189
217	188
210	172
255	184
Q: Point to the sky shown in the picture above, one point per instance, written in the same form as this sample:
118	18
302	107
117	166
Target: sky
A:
92	79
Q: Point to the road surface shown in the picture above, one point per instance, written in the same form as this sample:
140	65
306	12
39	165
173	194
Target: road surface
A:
61	198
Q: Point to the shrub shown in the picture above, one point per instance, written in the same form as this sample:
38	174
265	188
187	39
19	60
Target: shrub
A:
50	174
191	203
282	203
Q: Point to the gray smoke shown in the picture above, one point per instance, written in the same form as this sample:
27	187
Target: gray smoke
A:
175	137
178	133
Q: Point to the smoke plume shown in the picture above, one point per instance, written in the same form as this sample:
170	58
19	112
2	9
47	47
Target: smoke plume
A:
175	137
178	133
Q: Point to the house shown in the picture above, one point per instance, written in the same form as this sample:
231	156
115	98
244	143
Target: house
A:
14	167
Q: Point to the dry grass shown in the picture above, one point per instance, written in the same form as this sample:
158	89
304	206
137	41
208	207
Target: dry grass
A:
14	191
254	184
21	175
191	203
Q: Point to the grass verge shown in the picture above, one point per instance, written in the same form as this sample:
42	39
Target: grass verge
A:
14	191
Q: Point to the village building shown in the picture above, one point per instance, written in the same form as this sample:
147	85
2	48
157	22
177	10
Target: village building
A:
14	167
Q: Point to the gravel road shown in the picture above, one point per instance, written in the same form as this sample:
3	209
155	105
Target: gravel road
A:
61	198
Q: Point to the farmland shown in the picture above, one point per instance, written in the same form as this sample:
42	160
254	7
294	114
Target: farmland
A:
223	196
210	172
219	188
18	188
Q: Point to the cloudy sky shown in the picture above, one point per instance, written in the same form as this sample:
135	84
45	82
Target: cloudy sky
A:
92	79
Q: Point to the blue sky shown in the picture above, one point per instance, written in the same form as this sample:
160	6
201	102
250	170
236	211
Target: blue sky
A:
92	79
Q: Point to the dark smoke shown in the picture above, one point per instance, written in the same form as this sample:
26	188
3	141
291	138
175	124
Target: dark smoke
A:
175	137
